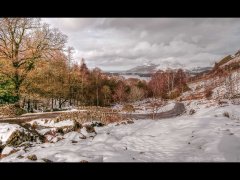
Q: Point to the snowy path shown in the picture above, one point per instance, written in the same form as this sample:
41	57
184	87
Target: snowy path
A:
205	136
177	110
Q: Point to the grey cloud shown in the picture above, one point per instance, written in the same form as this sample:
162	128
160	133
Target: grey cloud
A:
121	43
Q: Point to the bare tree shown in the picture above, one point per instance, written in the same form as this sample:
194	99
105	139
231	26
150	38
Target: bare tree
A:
70	57
136	93
23	41
230	86
155	106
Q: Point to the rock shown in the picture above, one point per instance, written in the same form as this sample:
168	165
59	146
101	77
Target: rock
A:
226	114
191	112
60	130
83	137
130	122
20	157
97	124
123	123
189	143
47	160
74	141
90	129
32	157
34	125
18	137
231	133
1	146
77	126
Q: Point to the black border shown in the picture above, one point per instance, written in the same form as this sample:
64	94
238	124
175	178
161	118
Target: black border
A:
123	8
119	9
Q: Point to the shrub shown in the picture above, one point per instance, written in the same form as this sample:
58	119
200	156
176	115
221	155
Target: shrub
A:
174	94
208	93
128	108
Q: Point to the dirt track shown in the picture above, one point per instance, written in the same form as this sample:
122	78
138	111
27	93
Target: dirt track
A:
178	109
29	117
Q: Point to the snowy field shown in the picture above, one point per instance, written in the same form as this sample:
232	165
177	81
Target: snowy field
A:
207	135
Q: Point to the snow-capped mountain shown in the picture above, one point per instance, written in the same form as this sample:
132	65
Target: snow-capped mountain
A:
145	68
151	68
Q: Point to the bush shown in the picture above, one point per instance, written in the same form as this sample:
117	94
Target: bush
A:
11	110
174	94
208	93
128	108
226	114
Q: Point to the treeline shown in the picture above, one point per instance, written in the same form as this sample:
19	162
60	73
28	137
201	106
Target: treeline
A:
36	68
168	84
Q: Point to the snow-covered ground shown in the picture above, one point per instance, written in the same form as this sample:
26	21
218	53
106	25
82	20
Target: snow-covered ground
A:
51	123
6	131
222	87
206	135
144	106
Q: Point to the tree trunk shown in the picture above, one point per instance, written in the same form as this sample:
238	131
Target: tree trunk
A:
97	98
35	105
52	104
60	104
24	101
28	105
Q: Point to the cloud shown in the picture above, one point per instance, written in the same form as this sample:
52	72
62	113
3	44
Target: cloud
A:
122	43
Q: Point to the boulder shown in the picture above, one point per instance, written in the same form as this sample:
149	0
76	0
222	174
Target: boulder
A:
90	129
191	112
32	157
18	137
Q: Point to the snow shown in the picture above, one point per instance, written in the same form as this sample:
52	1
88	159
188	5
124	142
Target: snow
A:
205	136
52	123
148	110
144	107
7	150
6	131
220	86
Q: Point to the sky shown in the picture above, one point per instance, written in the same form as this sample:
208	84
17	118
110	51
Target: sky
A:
114	44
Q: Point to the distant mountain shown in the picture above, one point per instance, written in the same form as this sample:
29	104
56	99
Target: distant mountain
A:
145	68
152	68
197	70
